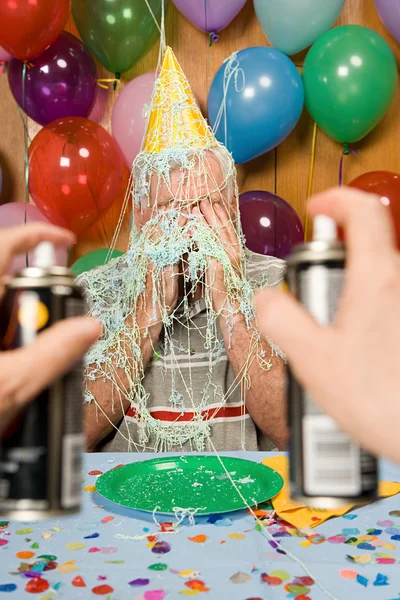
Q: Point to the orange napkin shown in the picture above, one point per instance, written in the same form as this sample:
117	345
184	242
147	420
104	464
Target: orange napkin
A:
299	515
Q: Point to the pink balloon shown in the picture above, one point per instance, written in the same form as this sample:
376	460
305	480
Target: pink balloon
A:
14	214
4	56
129	120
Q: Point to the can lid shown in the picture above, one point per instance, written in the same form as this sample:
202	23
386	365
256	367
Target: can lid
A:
325	229
44	256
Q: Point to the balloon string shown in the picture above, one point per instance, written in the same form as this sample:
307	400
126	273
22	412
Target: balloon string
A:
26	144
345	152
311	177
103	81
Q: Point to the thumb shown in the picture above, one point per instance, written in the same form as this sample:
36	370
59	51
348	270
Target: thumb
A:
29	370
289	326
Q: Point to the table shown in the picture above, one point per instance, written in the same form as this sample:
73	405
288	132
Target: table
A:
92	555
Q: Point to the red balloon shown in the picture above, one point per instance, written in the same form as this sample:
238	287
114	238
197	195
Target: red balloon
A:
76	172
386	185
28	27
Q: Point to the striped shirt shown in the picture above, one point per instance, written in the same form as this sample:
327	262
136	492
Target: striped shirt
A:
194	372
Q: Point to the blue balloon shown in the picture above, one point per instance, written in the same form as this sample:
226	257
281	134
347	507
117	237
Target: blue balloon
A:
255	101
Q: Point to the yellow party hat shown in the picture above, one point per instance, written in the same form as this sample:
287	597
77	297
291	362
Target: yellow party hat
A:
175	118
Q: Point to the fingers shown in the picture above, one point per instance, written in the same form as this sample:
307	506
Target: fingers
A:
27	371
227	223
367	224
17	240
282	319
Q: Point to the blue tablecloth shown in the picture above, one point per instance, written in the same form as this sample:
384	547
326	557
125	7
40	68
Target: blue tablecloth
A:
91	555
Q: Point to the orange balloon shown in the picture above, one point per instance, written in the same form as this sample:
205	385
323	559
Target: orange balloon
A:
28	27
387	186
76	172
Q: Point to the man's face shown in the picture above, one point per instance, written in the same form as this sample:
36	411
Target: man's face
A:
186	188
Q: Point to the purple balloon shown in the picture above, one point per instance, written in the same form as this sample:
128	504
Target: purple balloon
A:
210	15
270	225
59	83
389	12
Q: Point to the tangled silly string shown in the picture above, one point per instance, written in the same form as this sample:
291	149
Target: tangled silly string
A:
117	292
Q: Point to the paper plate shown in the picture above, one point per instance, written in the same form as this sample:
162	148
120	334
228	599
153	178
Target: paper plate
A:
189	482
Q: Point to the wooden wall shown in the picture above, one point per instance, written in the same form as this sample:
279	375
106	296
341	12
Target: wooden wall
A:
283	171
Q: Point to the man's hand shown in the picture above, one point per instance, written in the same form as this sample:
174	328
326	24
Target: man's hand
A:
216	217
351	368
25	372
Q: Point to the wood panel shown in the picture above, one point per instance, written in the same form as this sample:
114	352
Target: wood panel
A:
284	171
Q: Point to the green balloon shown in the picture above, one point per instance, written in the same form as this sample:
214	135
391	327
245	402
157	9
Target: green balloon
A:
350	79
93	259
117	32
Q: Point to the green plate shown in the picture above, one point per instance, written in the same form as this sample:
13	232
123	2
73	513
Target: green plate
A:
189	482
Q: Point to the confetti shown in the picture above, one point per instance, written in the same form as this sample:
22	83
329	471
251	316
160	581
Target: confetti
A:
25	554
348	574
236	536
270	580
48	556
284	576
8	587
39	566
108	549
161	548
91	536
350	516
68	567
95	473
102	590
154	595
3	542
107	519
385	523
362	580
37	585
78	582
114	562
90	488
197	584
158	567
189	574
139	582
380	580
47	534
394	513
24	531
240	578
198	539
299	590
75	546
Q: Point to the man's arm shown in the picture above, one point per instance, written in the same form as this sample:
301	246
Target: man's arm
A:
111	401
265	389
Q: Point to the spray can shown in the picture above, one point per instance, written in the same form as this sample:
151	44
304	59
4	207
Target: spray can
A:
41	449
327	468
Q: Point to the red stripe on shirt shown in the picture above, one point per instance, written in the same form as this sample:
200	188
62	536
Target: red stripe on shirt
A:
211	413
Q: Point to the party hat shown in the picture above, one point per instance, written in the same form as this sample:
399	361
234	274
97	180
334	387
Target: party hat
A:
175	118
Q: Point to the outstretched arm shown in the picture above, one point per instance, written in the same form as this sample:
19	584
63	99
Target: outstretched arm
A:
264	384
